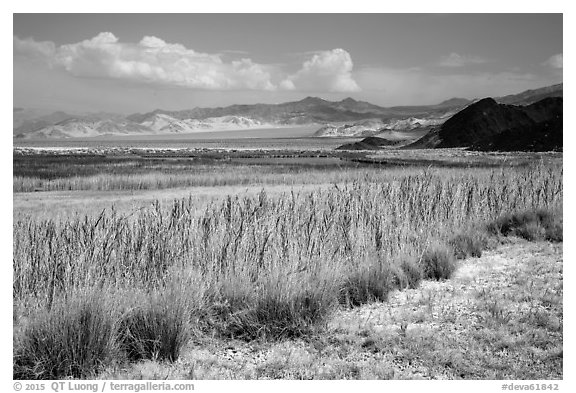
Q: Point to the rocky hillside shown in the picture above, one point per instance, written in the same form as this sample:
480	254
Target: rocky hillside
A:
487	125
359	129
479	121
162	123
154	125
85	128
376	126
542	136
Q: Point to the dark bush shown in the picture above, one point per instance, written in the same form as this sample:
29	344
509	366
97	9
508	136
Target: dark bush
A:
530	225
438	262
73	339
157	328
272	308
412	273
467	245
368	283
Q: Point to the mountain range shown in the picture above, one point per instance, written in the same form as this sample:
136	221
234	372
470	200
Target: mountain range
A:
421	119
348	117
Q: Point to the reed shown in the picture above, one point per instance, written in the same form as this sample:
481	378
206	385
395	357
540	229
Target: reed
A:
263	267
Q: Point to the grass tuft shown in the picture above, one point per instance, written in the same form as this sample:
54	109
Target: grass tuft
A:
156	328
438	262
468	244
73	339
275	307
412	273
368	284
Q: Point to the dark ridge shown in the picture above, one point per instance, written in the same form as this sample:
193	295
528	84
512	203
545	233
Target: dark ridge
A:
429	141
370	143
543	136
487	125
479	121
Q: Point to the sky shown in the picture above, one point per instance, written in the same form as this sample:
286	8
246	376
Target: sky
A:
128	63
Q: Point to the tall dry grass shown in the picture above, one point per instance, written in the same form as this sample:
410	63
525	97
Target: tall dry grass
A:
262	267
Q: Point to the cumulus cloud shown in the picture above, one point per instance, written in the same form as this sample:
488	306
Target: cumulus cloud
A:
33	49
325	71
152	42
155	61
152	60
456	60
555	61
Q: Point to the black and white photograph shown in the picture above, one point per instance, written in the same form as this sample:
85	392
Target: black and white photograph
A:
286	196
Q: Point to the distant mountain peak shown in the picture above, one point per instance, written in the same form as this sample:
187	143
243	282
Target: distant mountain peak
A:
313	100
348	100
484	102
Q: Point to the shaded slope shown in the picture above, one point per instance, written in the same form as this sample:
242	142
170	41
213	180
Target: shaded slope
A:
543	136
480	121
429	141
487	125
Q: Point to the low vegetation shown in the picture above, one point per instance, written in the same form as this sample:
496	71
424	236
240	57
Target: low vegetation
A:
154	326
75	337
254	267
530	225
121	169
499	317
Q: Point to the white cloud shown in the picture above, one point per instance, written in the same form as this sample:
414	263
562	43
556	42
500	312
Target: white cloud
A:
155	61
325	71
456	60
152	42
152	60
34	49
287	84
555	61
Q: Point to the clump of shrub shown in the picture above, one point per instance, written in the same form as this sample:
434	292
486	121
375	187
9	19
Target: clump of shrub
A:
438	261
75	338
468	244
155	327
412	272
275	306
369	282
530	225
